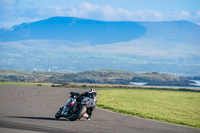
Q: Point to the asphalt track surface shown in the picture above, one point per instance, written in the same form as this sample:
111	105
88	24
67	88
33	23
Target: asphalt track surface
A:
32	109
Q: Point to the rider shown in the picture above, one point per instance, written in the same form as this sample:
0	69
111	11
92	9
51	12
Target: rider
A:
91	93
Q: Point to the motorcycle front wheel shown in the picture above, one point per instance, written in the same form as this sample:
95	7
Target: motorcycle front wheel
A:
58	114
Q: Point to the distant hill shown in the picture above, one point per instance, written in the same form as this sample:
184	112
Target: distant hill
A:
172	31
76	30
169	35
94	32
96	76
67	44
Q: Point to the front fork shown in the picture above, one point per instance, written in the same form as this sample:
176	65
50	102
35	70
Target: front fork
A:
65	111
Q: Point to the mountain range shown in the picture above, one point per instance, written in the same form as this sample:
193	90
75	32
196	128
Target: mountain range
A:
76	30
75	44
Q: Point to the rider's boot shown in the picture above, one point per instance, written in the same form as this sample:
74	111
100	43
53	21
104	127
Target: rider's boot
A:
86	116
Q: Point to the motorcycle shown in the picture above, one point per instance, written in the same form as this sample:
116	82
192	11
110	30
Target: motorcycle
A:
75	108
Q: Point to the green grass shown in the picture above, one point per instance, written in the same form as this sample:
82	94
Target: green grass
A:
27	84
178	107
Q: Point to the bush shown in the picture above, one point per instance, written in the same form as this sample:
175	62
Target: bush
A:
39	84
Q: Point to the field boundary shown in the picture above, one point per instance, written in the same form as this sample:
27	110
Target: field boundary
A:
99	86
117	86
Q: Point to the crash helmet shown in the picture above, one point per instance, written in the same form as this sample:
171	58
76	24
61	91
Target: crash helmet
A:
91	90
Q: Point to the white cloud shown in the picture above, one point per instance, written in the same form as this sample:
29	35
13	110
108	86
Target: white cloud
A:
197	17
108	13
7	3
179	15
12	13
147	15
198	12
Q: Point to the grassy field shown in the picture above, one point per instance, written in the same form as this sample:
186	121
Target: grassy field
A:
173	106
27	84
178	107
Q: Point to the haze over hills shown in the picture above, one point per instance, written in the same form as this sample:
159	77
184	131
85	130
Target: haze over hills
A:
74	44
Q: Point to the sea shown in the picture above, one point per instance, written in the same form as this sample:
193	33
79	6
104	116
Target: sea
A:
197	83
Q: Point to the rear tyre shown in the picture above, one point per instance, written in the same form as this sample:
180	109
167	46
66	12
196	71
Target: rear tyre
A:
78	114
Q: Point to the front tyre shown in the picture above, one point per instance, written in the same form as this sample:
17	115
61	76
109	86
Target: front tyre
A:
58	114
78	114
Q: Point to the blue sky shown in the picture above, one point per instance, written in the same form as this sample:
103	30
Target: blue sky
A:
14	12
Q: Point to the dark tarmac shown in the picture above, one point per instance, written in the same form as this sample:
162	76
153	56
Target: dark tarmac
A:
31	109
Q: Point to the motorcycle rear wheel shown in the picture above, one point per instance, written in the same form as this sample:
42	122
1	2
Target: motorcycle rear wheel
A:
78	114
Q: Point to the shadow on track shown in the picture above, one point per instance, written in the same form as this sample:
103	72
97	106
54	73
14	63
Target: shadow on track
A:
38	118
48	118
37	128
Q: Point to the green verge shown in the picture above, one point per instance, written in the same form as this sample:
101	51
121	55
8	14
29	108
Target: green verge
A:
178	107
